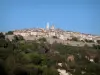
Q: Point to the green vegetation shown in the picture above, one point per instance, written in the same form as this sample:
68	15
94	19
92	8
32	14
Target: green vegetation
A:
18	38
89	41
98	41
2	36
20	57
42	39
55	37
96	46
74	39
9	33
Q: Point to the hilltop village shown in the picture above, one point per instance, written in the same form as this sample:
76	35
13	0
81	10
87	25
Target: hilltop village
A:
49	51
49	32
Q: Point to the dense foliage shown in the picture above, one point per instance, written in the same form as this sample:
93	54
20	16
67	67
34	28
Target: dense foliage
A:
9	33
21	57
89	41
98	41
74	39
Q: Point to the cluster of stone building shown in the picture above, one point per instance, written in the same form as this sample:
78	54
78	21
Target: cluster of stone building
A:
51	31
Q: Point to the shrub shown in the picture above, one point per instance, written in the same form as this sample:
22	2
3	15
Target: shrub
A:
96	46
98	41
18	38
89	41
20	71
2	36
50	71
42	39
74	39
55	37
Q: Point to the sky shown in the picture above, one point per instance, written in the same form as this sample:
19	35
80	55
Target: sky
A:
72	15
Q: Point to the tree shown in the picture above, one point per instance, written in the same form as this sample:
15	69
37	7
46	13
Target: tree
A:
89	41
98	41
6	48
96	59
96	46
9	33
2	36
36	59
42	39
18	38
20	71
50	71
55	37
74	39
2	68
93	68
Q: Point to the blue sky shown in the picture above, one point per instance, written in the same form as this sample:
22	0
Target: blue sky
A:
74	15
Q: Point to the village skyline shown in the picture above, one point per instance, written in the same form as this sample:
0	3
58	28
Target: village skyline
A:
72	15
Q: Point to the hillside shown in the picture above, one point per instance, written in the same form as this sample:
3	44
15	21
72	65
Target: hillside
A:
38	57
55	35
